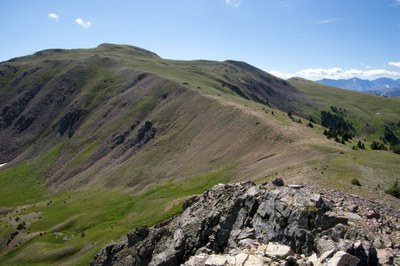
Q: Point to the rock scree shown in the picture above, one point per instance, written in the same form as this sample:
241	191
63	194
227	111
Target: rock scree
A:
248	224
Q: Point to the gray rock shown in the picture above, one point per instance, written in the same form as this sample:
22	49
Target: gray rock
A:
251	261
324	257
278	182
342	258
247	242
291	261
278	251
353	208
386	256
324	244
275	222
197	260
332	218
372	214
247	233
219	260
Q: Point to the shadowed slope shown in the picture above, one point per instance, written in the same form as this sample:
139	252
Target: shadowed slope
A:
126	116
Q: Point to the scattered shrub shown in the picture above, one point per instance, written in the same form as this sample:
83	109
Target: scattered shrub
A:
394	190
337	125
395	149
378	145
355	182
21	226
360	145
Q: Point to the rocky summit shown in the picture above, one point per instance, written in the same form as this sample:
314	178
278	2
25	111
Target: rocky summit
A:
248	224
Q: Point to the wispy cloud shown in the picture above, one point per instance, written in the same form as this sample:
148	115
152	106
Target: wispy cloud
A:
327	21
395	64
234	3
84	23
53	16
395	3
280	74
337	73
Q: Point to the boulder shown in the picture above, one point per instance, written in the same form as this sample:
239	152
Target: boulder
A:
324	244
242	258
385	256
342	258
278	251
251	261
372	214
278	182
219	260
196	260
232	223
353	208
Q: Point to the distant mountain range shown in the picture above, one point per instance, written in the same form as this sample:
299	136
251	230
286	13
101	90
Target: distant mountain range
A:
382	86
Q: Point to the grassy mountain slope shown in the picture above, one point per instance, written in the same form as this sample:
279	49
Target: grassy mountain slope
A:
368	113
102	140
97	103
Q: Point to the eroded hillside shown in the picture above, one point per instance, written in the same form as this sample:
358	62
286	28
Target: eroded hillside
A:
99	141
124	116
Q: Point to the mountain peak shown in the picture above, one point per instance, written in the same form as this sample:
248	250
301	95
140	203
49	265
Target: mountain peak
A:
109	47
379	86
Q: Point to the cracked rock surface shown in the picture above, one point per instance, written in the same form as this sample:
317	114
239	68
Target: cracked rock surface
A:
248	224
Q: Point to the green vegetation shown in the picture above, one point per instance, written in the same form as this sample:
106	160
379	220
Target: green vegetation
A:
338	128
355	182
367	114
207	116
394	190
395	148
23	183
335	120
378	145
360	145
73	226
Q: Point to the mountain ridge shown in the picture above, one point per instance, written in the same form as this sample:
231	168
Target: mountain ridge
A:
381	86
101	140
42	94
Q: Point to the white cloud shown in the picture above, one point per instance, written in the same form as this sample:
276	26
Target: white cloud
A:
327	21
395	64
338	73
86	24
234	3
395	3
53	16
280	74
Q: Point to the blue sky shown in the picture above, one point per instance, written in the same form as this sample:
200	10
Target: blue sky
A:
308	38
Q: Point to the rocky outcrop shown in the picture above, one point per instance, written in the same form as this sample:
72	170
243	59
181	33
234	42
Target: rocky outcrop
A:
11	112
245	224
70	122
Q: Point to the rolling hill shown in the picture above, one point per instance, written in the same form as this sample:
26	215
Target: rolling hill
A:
101	140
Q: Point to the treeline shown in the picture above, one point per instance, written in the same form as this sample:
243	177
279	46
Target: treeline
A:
337	127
